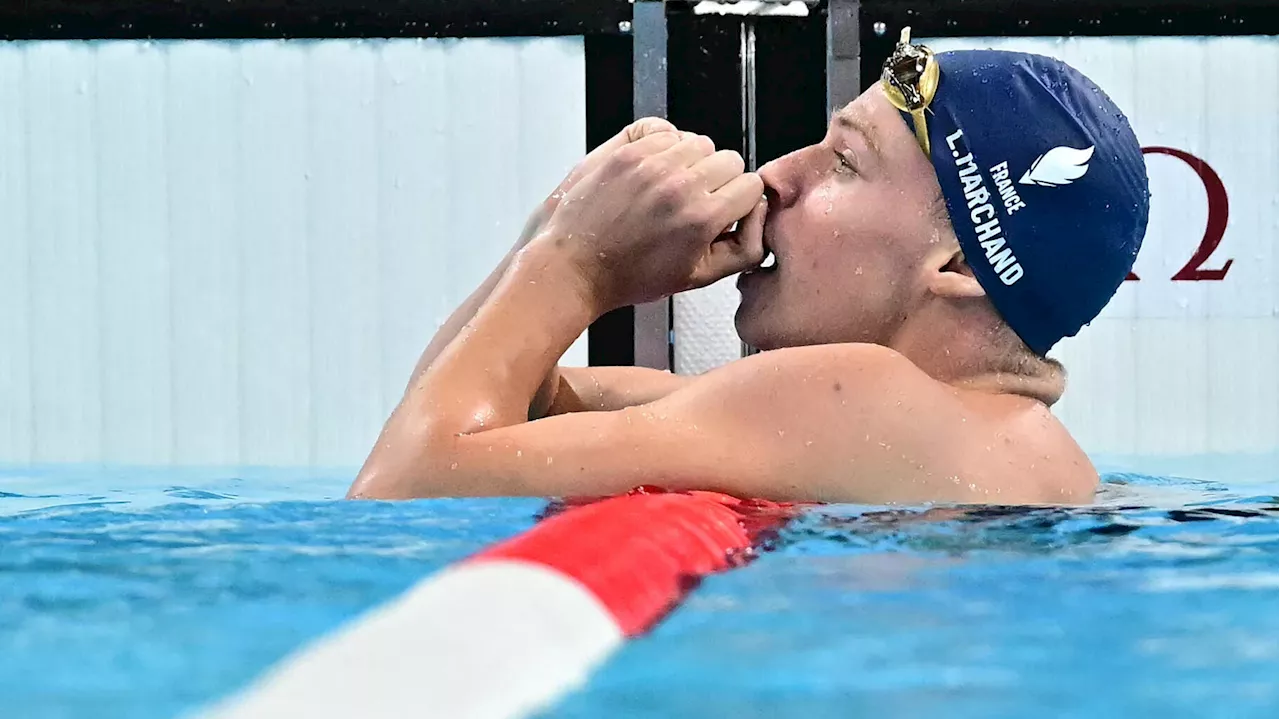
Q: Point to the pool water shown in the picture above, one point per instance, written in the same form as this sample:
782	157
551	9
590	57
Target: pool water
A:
150	593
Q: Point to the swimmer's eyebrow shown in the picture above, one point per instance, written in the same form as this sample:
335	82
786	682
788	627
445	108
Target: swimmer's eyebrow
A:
848	121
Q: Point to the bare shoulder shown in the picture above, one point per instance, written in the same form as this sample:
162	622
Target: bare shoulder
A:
1021	448
829	371
914	438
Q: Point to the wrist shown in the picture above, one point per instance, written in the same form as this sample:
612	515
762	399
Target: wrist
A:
536	223
544	260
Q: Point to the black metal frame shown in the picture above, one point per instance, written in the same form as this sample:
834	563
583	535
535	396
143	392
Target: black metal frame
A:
246	19
609	109
704	96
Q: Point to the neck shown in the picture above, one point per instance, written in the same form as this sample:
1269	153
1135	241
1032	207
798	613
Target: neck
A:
971	349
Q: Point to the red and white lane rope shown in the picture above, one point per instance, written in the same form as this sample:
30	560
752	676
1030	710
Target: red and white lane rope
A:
510	630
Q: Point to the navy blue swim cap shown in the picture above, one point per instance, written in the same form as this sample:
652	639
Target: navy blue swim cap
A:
1044	183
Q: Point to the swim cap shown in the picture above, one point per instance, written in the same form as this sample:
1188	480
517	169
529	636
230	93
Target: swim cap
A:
1045	185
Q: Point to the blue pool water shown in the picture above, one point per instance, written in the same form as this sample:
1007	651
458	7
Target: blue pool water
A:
148	593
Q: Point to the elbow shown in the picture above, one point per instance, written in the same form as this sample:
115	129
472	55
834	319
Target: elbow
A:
366	486
373	483
383	482
405	466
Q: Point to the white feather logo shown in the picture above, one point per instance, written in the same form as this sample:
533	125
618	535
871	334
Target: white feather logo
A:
1059	166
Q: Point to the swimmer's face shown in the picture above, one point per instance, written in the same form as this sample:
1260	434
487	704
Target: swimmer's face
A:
850	222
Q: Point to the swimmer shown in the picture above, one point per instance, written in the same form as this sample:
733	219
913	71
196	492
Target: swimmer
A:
957	221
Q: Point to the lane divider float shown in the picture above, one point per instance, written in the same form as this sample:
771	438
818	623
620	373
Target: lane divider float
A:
512	629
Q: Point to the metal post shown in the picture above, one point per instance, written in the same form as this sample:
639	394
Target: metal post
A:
652	328
844	53
747	74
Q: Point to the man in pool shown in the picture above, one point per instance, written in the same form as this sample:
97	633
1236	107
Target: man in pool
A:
957	221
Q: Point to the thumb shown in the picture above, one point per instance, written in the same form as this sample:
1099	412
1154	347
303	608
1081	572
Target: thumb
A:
736	251
644	127
641	128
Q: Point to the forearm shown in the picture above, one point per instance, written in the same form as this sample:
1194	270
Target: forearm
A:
467	310
536	311
602	389
485	380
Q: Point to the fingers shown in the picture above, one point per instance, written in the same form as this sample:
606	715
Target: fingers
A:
735	199
644	127
648	146
737	251
688	151
637	130
714	171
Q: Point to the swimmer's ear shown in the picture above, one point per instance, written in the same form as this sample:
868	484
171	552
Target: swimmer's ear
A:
954	278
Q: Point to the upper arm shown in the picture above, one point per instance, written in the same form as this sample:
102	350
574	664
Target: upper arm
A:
804	424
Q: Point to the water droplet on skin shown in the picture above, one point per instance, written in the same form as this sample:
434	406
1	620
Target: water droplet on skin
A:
519	453
549	460
453	466
808	443
781	433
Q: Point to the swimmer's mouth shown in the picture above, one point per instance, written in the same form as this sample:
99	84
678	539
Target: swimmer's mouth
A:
768	264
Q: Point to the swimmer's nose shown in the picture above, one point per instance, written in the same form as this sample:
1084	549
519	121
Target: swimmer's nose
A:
782	178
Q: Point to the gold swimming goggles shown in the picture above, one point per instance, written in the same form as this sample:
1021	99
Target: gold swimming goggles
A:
910	80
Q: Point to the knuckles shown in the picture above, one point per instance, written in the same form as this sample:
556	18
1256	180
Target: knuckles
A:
670	193
735	159
703	144
626	156
701	215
